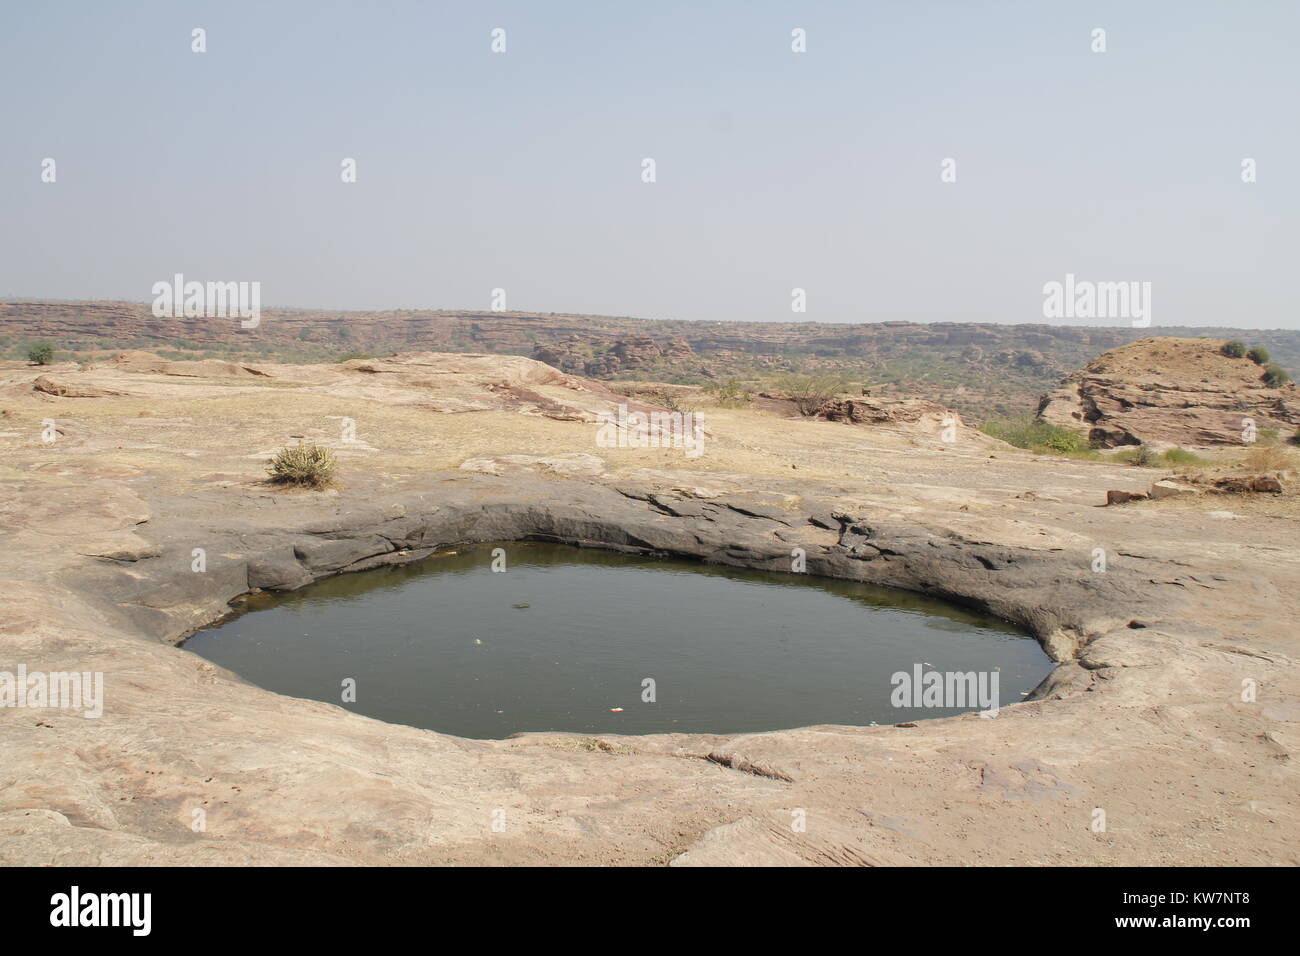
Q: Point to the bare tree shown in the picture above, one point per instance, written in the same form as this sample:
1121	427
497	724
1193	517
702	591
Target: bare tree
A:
811	392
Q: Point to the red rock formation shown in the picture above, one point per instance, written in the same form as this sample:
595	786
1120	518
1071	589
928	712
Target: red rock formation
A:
1170	391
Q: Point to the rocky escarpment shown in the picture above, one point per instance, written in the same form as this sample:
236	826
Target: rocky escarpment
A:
1171	391
621	355
986	370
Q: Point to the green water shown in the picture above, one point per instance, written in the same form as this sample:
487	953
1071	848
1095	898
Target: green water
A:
444	644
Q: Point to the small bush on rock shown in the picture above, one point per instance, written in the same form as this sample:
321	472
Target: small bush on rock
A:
1141	456
1275	376
306	466
1234	348
42	353
1258	354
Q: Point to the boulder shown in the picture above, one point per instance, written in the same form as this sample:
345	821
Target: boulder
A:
1167	488
1123	497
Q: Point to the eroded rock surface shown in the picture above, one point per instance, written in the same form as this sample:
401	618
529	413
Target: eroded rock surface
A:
1147	716
1169	391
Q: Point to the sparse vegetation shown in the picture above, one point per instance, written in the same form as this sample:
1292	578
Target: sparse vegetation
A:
1234	348
730	393
1036	435
1265	458
304	465
42	353
810	392
1275	376
1140	456
673	399
1258	354
1181	457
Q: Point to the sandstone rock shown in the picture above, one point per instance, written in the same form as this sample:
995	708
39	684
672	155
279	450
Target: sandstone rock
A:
569	464
118	546
1172	489
292	781
1182	392
559	357
633	353
602	366
1122	497
1251	484
65	389
887	411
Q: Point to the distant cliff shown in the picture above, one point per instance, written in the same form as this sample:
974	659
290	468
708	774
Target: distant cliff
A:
980	369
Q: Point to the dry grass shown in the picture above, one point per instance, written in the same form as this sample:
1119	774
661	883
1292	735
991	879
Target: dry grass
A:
1270	458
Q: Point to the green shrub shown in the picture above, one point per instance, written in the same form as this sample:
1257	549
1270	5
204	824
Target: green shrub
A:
730	394
307	466
1036	435
1275	376
1181	456
1234	348
42	353
1141	456
1258	354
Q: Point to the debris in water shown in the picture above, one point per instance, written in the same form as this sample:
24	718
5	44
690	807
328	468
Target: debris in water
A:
616	710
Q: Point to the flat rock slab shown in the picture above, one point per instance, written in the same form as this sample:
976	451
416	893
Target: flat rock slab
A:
1175	705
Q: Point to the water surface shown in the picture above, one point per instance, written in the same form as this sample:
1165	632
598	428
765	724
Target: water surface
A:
445	644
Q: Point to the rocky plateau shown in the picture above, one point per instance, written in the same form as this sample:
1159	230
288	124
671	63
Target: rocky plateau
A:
114	473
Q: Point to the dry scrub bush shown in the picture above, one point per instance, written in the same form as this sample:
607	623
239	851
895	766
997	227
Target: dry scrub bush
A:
810	392
1263	458
306	466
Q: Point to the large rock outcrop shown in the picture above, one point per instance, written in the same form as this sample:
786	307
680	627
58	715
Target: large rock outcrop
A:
1170	391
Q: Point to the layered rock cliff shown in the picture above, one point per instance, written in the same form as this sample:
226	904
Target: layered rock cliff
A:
1171	391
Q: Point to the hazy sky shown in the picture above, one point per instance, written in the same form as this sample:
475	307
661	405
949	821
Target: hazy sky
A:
522	170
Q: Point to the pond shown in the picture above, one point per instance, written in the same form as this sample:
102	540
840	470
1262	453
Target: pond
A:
593	641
